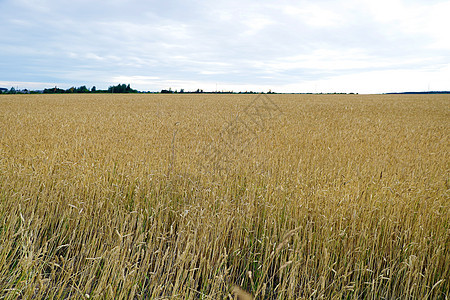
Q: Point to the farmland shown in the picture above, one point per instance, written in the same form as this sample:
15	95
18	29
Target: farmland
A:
189	196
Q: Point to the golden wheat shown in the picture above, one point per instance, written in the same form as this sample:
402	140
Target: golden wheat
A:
188	196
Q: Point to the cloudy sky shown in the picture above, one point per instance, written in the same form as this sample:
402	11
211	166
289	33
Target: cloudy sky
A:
362	46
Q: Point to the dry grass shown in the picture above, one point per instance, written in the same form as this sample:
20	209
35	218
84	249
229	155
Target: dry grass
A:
111	196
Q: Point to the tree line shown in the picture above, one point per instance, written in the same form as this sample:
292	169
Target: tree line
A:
120	88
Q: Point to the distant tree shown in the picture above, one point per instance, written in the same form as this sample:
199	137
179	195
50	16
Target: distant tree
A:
54	90
121	88
82	89
12	91
93	89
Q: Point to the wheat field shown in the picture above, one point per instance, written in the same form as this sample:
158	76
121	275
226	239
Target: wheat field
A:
206	196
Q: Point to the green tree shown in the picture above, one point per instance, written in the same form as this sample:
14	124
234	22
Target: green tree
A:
121	88
82	89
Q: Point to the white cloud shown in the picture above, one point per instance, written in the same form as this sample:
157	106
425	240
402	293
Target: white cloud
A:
342	60
368	82
314	15
255	24
416	18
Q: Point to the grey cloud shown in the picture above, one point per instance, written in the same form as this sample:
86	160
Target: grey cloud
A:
238	42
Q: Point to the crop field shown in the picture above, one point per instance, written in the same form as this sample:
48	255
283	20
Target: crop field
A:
202	196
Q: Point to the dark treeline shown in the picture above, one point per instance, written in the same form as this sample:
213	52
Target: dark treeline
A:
126	88
200	91
120	88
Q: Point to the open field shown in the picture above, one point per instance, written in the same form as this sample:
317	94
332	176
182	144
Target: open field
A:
172	196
